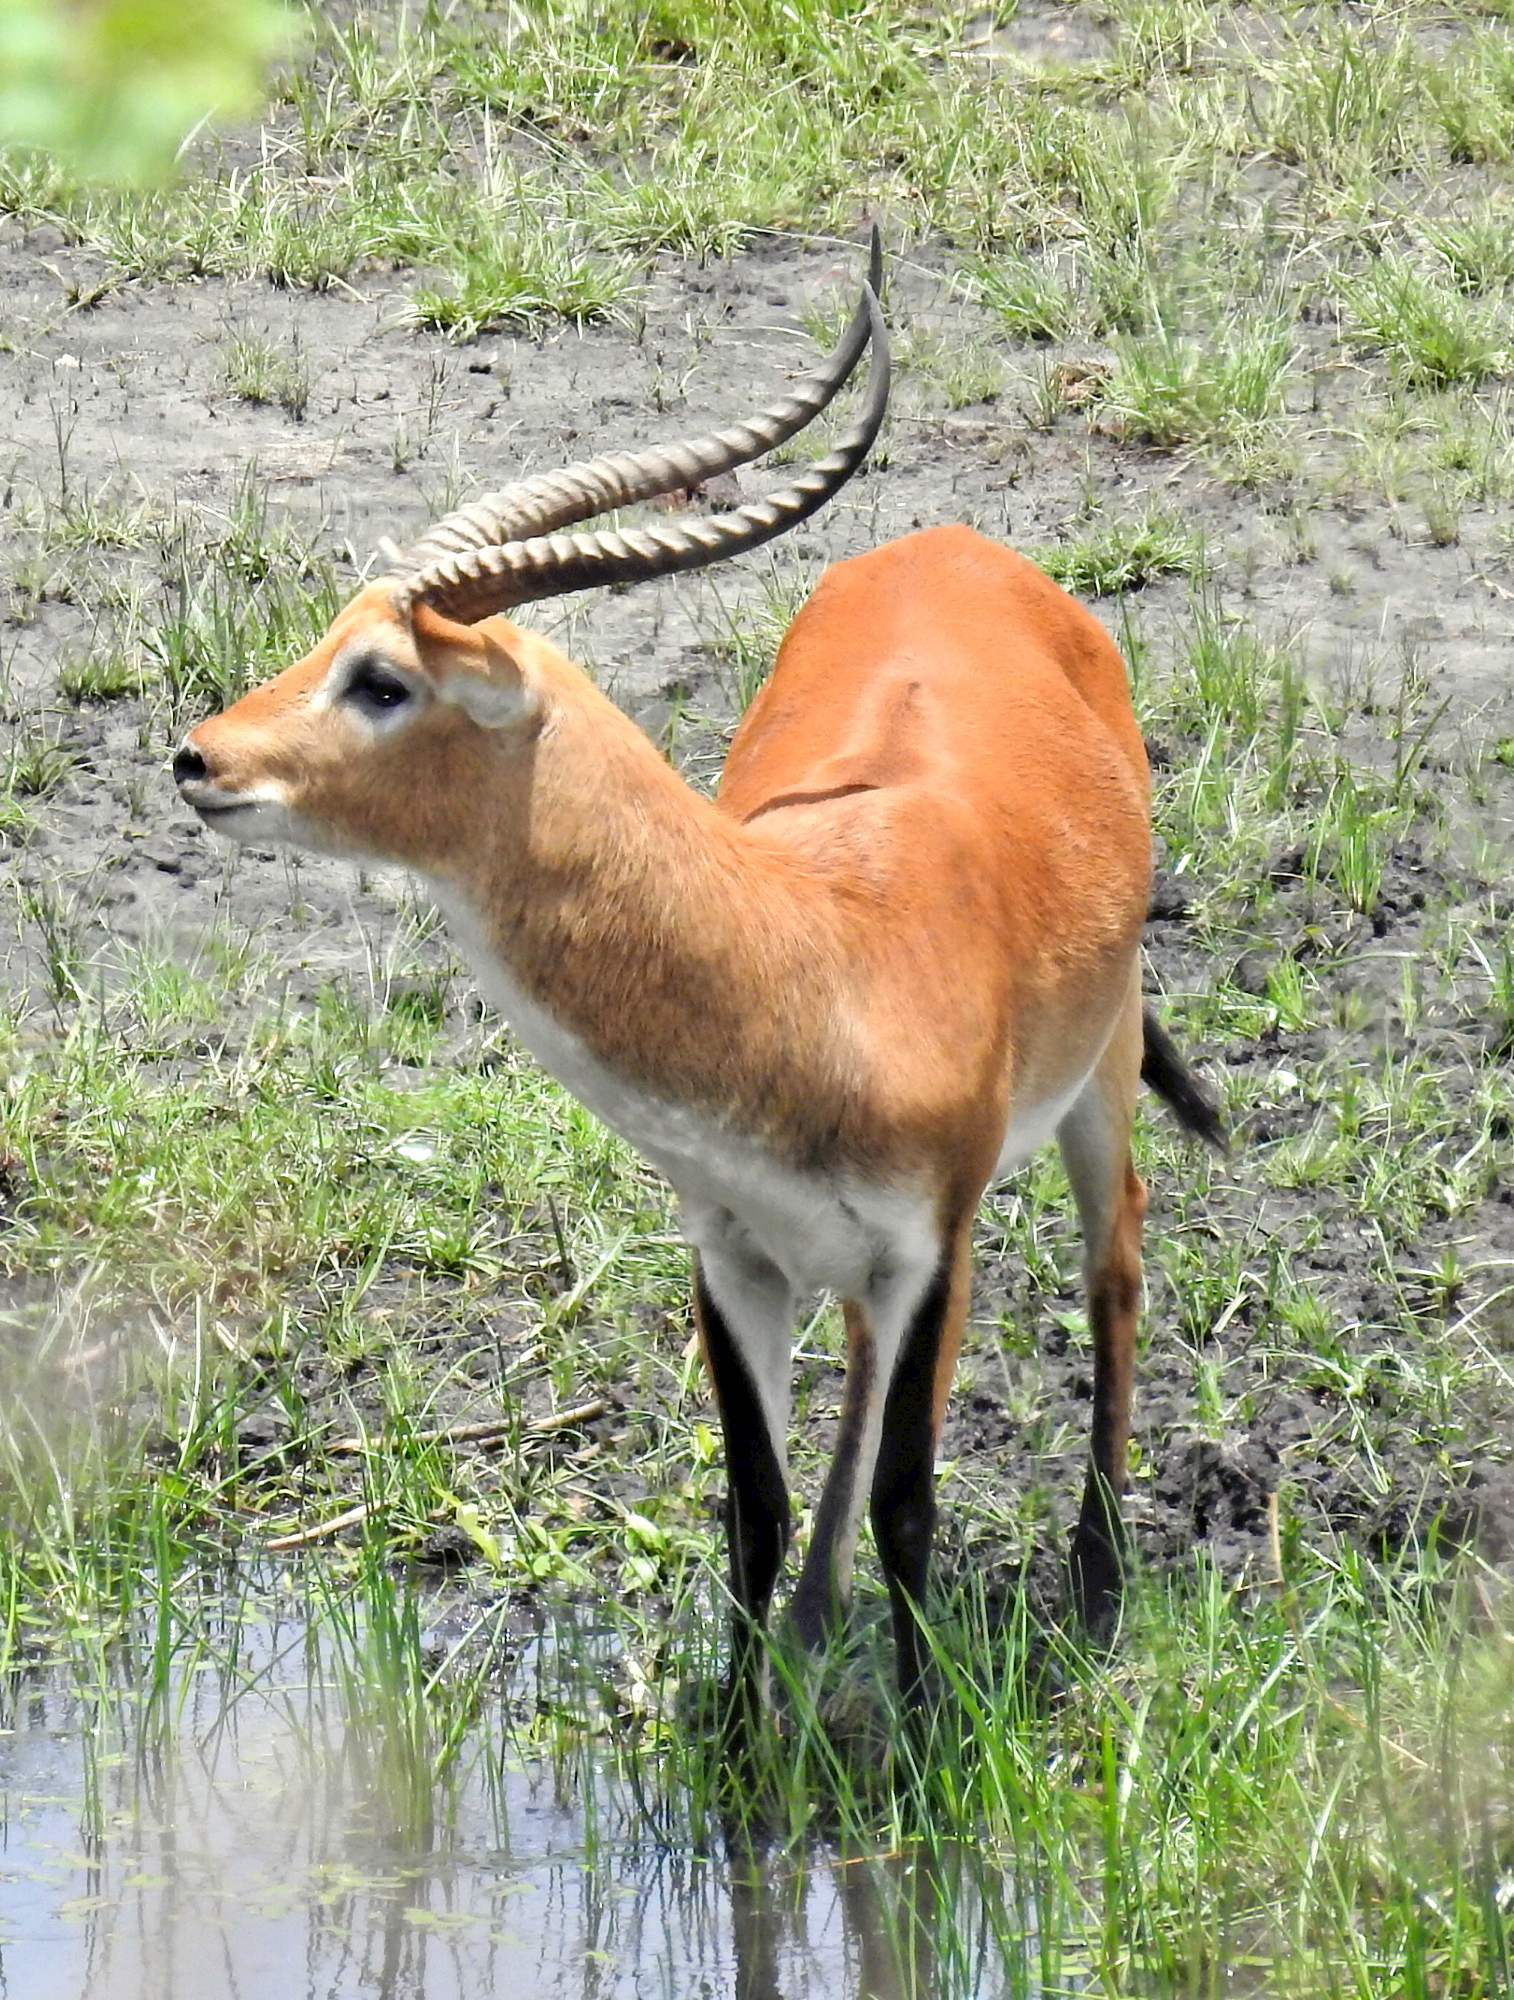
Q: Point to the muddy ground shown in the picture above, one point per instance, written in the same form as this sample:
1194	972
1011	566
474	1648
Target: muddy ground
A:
126	397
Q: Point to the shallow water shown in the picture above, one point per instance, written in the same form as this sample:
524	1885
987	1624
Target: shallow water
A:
249	1833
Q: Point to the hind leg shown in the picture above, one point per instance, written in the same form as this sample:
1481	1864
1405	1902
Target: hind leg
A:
885	1328
902	1342
1111	1198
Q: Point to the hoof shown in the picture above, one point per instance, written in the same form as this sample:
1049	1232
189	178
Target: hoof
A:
857	1721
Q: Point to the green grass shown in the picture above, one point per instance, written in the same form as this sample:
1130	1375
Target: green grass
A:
1342	101
1477	246
1430	329
1471	94
37	766
1306	1781
522	264
1123	555
261	370
1030	300
1175	391
93	679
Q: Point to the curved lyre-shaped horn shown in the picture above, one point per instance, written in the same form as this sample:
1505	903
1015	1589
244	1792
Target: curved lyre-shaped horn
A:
552	500
469	577
475	583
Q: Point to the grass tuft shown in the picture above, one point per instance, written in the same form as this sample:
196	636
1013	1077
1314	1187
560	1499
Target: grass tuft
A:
1124	555
1029	299
1174	390
262	370
1432	332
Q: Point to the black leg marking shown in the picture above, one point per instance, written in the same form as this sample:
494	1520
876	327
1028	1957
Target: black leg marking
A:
904	1498
1099	1542
757	1501
1097	1558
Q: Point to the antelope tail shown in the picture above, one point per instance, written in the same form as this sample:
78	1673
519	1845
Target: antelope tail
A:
1164	1071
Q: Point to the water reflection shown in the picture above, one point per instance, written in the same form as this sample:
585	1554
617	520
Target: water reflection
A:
887	1905
236	1850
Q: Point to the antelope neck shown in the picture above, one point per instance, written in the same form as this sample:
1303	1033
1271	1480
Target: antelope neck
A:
654	955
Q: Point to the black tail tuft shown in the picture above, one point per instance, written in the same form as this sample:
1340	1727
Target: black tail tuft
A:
1164	1071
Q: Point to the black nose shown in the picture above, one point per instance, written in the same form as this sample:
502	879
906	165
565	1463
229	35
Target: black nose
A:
188	766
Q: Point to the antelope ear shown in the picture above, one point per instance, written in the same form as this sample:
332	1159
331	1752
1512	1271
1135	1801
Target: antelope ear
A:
474	669
490	699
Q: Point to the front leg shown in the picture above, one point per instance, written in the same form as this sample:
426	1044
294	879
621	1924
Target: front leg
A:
904	1481
744	1311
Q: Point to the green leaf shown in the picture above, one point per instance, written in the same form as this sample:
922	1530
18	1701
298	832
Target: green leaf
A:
114	87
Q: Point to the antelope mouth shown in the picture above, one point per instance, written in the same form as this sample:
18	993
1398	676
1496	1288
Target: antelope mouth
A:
227	815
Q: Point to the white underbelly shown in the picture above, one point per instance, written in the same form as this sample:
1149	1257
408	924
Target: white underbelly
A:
825	1232
1031	1126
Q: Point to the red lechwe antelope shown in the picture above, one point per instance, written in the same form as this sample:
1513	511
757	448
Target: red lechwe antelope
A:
897	954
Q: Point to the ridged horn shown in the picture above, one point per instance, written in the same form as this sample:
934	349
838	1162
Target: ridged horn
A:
474	583
551	500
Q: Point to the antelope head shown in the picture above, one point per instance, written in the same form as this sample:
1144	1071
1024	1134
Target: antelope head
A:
374	742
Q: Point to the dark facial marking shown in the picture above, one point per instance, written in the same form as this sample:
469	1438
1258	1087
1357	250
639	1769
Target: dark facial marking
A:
375	689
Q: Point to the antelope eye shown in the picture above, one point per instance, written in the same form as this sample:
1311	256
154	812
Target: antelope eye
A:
375	690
